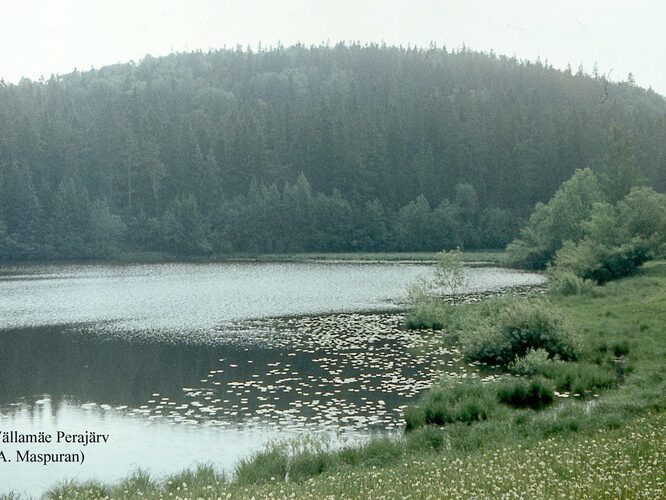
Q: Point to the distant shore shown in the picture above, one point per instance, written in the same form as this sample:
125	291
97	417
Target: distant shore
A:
491	257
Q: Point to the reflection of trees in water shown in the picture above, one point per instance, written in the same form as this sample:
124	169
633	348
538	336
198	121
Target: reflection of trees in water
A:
65	363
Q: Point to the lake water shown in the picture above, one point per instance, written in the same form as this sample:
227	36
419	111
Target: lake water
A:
203	363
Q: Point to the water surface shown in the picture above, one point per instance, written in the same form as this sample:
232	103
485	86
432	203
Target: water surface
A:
189	363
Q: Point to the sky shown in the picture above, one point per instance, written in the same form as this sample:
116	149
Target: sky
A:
43	37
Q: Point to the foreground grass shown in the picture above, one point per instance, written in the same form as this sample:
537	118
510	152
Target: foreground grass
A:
623	463
611	444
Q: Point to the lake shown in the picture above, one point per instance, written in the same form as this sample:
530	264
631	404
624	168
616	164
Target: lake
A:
203	363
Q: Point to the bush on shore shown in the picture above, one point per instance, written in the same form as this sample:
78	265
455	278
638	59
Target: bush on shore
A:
430	315
516	329
564	282
534	362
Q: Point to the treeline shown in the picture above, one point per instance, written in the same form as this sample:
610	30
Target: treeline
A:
302	149
267	219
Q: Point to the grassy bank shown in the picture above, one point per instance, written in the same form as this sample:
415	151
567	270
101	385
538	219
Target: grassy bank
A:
610	441
620	463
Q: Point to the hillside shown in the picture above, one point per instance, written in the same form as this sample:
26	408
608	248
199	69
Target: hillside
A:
345	148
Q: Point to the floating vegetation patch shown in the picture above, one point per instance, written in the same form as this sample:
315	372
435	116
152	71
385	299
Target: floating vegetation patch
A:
341	371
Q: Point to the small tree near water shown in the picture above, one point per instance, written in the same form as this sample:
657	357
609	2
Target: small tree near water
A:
450	278
449	272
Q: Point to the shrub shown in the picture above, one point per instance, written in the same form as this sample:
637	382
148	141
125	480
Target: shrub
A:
597	262
577	378
450	273
517	329
376	451
70	489
201	476
429	315
307	464
449	279
301	458
520	393
535	362
451	401
382	451
138	481
567	283
590	234
621	349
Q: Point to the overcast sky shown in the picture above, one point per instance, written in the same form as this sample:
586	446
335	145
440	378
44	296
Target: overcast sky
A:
44	37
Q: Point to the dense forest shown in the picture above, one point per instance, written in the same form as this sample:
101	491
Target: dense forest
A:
340	148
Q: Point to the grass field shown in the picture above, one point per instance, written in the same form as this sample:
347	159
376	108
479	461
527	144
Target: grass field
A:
607	444
623	463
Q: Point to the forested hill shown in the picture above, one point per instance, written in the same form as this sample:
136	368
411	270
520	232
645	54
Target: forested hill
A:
302	149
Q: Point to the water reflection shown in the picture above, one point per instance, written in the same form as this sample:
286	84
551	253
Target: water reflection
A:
68	362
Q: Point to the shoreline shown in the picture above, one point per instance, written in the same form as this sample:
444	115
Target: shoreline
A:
403	307
490	257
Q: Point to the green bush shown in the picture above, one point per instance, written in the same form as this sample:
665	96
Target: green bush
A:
621	348
597	262
535	362
514	331
451	401
376	451
521	393
299	459
449	279
577	378
139	481
201	476
430	315
70	489
589	234
564	282
382	451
